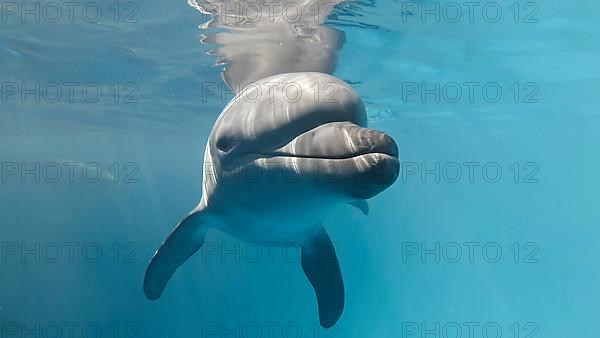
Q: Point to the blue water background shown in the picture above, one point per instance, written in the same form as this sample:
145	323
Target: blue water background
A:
164	134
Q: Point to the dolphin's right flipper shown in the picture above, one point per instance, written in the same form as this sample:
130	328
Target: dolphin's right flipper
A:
182	243
321	266
361	205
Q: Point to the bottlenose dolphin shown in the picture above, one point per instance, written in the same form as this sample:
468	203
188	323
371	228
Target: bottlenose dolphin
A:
283	153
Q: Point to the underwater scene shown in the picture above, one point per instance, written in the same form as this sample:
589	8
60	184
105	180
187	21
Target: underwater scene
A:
299	168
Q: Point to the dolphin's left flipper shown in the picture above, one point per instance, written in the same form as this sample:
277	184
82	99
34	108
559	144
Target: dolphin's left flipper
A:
321	266
182	243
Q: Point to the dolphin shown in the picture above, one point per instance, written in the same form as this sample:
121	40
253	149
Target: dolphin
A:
284	152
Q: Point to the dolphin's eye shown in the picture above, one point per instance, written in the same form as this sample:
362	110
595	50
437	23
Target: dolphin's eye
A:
225	144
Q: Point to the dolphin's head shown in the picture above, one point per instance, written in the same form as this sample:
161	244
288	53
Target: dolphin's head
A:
302	132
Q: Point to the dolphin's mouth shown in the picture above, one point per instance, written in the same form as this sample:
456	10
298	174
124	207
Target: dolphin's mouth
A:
345	157
338	140
343	150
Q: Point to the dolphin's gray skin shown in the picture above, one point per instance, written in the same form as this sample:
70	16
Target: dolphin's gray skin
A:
282	154
261	38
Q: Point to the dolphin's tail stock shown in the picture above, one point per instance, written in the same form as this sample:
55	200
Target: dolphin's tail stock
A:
182	243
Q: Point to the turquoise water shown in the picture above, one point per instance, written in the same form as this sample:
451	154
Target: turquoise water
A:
74	247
